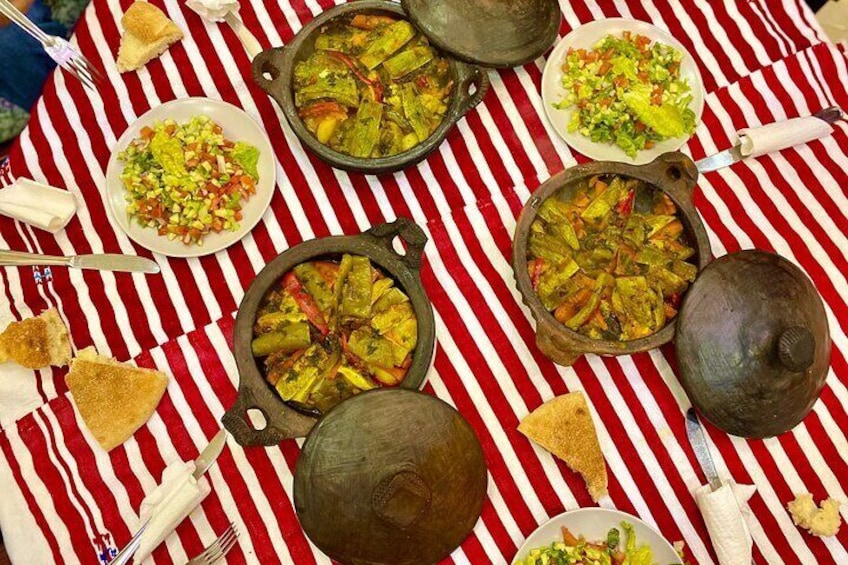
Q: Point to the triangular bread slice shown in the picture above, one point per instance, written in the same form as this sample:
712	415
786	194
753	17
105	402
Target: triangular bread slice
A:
114	399
147	34
564	426
37	342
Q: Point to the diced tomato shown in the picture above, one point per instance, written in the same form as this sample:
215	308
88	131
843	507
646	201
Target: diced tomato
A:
147	132
642	42
194	234
649	144
305	302
656	96
568	538
608	54
621	81
618	558
170	129
643	76
639	127
604	68
238	216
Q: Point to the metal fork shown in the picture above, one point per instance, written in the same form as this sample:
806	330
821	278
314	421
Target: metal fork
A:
59	49
219	548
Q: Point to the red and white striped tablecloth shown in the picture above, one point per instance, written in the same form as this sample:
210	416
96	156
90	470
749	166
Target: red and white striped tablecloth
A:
64	500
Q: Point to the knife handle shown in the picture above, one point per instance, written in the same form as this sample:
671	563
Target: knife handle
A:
10	258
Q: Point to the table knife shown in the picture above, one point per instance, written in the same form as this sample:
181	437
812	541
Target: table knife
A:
733	155
101	262
208	456
702	449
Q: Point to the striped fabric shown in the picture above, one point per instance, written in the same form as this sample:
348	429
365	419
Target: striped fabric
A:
64	500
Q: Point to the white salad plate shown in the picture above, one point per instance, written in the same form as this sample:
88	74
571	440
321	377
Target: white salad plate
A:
594	524
586	36
237	126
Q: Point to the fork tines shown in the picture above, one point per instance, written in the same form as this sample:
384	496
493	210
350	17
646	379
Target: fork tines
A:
219	547
84	71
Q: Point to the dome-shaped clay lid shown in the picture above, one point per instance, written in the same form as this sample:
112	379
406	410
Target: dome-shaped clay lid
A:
492	33
753	345
391	476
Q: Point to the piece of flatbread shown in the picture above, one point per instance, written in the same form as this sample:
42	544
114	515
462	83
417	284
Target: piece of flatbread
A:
114	399
37	342
147	34
564	426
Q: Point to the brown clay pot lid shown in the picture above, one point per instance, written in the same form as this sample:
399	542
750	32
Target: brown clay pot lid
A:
390	476
753	344
493	33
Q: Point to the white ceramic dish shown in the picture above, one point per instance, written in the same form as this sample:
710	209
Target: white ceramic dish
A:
594	524
238	126
585	37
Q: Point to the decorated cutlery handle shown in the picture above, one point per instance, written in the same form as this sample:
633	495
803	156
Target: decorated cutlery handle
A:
22	259
789	133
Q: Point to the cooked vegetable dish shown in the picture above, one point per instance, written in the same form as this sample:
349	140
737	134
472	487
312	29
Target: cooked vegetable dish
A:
187	180
331	330
573	550
610	259
373	86
627	91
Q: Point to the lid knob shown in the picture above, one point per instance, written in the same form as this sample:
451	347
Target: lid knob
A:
796	349
401	498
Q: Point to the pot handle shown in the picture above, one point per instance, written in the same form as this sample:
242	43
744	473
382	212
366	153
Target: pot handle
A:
676	171
553	346
280	425
410	232
473	83
265	63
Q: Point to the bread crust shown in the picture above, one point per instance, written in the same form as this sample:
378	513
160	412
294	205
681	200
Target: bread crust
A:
564	426
37	342
147	34
114	399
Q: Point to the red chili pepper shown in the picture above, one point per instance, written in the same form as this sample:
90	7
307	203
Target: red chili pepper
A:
305	303
354	360
376	85
537	272
625	206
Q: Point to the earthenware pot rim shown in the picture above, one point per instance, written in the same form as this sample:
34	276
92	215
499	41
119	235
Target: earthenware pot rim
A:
676	175
279	63
376	243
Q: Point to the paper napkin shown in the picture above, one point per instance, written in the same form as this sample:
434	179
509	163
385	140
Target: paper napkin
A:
724	513
169	504
780	135
39	205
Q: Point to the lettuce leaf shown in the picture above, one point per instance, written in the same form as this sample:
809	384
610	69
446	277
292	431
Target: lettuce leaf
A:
667	119
247	156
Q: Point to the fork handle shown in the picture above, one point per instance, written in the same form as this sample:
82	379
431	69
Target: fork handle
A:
18	17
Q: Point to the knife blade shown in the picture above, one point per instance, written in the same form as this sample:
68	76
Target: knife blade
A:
733	155
114	262
702	450
210	453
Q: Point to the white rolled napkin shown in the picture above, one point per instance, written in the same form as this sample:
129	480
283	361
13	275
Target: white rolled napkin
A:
782	135
724	513
40	205
169	504
214	10
218	11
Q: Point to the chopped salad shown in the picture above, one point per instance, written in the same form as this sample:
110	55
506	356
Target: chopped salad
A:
628	92
187	180
574	550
